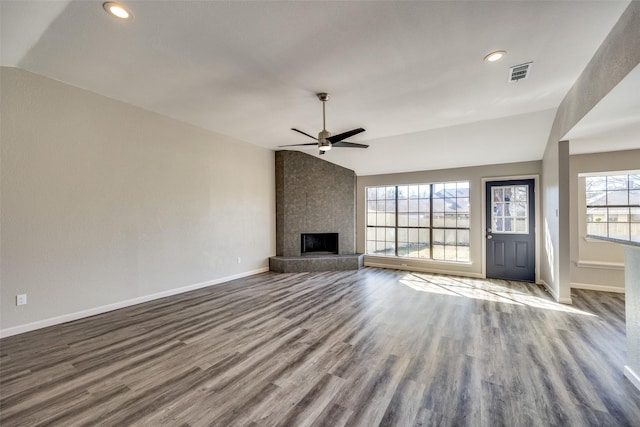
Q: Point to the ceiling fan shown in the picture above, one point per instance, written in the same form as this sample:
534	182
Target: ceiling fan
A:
325	140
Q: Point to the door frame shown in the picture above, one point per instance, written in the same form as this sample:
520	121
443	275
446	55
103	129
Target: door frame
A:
536	230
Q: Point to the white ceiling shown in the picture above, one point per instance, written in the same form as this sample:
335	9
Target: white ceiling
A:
613	124
410	73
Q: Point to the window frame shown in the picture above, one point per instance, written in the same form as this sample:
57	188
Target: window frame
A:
591	209
393	227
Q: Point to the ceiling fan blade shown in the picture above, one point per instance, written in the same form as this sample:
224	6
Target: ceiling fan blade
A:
304	133
345	144
339	137
298	145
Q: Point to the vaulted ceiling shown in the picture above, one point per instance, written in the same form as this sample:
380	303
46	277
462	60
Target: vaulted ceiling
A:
411	73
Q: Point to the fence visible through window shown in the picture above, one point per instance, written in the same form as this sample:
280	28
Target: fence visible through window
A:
424	221
613	206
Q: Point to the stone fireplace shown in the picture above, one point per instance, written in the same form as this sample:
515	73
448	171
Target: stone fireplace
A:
315	215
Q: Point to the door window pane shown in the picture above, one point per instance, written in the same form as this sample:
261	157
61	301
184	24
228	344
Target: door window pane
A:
510	209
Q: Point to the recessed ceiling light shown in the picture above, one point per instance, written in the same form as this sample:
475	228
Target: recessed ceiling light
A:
494	56
118	11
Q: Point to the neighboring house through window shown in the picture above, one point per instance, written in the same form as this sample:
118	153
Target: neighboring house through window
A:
613	206
424	221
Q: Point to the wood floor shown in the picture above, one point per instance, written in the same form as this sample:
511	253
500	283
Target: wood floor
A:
361	348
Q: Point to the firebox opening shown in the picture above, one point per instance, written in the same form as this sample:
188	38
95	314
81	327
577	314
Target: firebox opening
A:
319	243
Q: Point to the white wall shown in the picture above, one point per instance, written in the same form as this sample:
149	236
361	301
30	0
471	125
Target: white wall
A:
472	174
618	54
554	267
550	214
103	202
595	264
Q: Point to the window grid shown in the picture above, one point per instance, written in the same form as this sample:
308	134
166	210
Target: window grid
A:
430	221
510	209
613	206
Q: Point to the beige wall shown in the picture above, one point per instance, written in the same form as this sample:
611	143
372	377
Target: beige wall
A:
595	264
103	202
475	176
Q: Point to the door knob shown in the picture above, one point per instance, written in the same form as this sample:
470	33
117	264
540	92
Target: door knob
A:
489	236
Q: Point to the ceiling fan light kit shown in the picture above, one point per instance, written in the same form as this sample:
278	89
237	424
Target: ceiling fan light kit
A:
324	146
325	141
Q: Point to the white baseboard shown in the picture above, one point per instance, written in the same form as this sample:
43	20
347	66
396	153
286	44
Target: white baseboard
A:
632	376
565	300
600	288
423	270
121	304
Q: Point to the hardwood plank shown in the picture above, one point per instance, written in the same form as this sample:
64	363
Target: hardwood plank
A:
368	347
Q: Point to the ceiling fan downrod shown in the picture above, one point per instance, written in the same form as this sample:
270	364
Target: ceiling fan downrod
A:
324	97
323	143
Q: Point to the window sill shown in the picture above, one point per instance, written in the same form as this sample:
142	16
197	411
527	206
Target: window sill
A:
602	265
404	260
592	240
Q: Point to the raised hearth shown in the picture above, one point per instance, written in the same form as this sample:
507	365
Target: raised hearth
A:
306	263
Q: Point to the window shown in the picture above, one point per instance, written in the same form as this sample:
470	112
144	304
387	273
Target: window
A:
510	207
613	206
424	221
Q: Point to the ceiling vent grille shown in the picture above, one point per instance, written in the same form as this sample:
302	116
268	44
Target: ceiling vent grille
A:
519	72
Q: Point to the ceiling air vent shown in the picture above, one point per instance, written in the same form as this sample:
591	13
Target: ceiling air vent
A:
519	72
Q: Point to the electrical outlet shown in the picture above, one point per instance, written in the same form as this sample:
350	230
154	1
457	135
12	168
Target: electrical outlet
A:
239	260
21	299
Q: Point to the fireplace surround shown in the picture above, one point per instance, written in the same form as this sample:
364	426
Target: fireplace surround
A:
316	199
